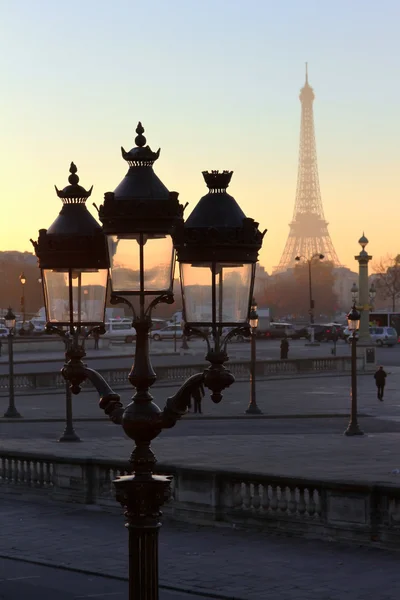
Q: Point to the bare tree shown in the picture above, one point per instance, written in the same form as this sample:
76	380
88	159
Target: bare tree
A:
387	280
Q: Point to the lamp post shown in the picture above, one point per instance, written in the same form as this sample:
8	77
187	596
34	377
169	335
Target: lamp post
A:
11	412
353	319
139	219
253	409
310	292
22	279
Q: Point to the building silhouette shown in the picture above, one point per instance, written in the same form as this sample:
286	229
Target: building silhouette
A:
308	234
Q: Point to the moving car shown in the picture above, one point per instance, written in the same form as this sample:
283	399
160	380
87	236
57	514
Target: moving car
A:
167	333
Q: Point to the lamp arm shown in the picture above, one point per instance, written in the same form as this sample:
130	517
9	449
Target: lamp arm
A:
115	299
242	330
177	405
188	329
167	298
109	400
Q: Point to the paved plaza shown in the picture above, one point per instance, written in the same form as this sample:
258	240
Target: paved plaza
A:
224	562
299	434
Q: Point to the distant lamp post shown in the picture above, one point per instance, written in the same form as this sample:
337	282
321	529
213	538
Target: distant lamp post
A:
372	294
253	321
22	279
354	293
353	320
312	303
11	412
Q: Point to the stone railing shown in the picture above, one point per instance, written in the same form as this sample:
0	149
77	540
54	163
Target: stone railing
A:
358	512
29	382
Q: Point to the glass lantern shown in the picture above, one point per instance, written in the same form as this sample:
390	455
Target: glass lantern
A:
74	262
353	319
75	297
141	263
216	293
253	316
10	319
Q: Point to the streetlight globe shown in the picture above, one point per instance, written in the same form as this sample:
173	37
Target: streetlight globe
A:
22	279
372	291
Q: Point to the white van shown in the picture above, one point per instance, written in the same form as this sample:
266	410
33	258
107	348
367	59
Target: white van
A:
120	329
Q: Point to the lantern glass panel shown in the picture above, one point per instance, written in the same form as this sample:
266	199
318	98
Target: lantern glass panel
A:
232	292
153	256
86	289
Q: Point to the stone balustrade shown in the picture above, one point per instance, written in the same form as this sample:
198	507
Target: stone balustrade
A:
358	512
118	378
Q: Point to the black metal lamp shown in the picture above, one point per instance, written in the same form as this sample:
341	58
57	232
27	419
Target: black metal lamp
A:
74	262
217	249
10	319
138	218
253	321
73	258
353	319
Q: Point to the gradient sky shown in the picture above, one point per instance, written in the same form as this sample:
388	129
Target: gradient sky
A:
216	86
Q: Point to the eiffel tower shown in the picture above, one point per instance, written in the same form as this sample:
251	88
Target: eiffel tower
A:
308	233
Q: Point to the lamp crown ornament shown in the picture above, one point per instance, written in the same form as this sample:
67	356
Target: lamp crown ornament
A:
73	193
141	155
217	182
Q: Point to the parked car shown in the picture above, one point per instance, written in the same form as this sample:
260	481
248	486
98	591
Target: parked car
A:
384	336
279	330
120	329
301	333
3	332
167	333
381	336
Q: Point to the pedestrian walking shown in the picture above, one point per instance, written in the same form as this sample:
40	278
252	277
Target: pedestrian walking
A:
380	380
284	348
96	336
197	395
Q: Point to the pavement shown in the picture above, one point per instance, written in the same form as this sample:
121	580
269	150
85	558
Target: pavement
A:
35	582
210	562
318	453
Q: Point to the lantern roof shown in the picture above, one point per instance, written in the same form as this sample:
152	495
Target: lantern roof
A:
141	202
75	239
217	229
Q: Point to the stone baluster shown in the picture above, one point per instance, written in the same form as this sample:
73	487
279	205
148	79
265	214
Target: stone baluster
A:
256	497
265	498
301	505
282	503
237	495
247	496
274	498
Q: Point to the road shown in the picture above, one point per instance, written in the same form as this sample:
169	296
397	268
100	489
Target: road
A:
163	355
21	580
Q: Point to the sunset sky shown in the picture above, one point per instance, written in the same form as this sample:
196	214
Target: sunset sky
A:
215	84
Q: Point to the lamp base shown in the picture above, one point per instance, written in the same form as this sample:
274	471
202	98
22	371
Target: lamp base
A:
353	429
69	436
253	410
12	413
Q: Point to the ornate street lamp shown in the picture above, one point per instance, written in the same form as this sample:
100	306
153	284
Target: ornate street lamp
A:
22	279
353	320
253	409
142	221
309	261
217	250
73	260
11	412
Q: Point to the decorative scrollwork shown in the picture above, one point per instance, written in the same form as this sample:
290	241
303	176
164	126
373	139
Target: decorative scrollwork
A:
115	299
167	298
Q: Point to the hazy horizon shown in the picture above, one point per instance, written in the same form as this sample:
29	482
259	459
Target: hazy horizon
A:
216	86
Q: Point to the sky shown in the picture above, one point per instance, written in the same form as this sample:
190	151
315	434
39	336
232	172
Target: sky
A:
215	84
